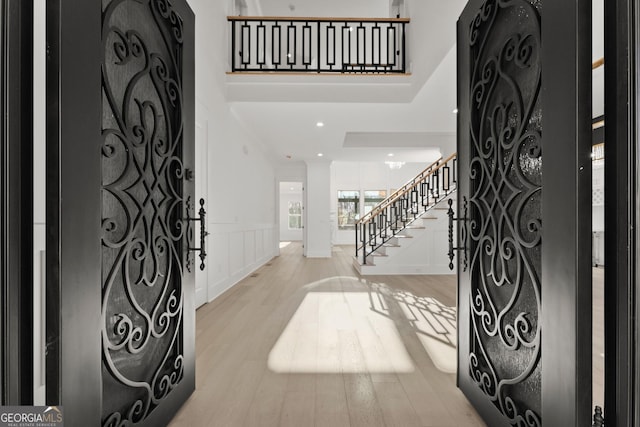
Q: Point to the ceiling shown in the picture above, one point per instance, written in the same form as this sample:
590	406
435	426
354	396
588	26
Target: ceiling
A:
365	118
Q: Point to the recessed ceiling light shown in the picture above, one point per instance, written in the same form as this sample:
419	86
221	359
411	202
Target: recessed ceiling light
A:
320	154
320	124
390	154
455	111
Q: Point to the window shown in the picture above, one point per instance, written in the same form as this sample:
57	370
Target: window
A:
372	198
295	215
348	209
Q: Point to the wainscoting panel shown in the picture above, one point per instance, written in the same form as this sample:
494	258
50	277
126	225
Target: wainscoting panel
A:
237	251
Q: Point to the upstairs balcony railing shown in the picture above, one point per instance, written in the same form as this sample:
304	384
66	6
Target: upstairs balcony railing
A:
398	211
320	45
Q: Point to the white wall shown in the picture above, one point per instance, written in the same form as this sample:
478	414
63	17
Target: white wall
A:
363	176
317	231
242	185
441	34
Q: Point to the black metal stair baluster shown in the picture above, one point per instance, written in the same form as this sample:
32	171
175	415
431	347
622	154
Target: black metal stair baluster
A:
372	235
431	187
455	162
414	202
428	190
363	228
436	176
424	193
446	180
393	217
357	243
405	210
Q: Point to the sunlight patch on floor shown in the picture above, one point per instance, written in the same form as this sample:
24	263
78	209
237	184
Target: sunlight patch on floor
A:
338	332
436	329
284	244
434	323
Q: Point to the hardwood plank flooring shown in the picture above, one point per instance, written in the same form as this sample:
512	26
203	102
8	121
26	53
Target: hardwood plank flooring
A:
308	342
598	336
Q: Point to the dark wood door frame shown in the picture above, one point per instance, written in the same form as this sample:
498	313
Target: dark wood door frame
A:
622	162
16	40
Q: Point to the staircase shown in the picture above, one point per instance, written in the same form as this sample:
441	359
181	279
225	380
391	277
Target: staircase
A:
396	237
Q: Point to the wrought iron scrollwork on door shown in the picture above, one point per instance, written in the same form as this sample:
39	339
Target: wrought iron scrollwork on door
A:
463	234
203	234
143	227
505	227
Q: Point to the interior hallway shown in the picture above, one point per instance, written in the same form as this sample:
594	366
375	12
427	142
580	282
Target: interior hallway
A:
307	342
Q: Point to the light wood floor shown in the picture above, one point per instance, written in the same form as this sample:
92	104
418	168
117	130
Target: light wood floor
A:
598	337
307	342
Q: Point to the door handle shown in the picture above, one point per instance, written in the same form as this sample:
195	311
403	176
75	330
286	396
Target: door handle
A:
463	233
202	214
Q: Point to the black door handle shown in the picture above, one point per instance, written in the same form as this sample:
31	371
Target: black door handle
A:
203	232
463	233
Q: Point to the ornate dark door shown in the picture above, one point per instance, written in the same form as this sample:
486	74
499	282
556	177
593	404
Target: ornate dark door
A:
524	209
122	317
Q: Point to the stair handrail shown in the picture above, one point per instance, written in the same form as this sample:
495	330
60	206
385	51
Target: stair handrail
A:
408	186
401	209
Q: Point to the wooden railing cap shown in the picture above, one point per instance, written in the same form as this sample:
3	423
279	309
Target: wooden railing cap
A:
316	19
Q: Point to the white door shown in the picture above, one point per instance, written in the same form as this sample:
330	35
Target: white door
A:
201	177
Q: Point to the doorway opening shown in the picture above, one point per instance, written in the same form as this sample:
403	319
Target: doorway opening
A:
291	211
597	202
